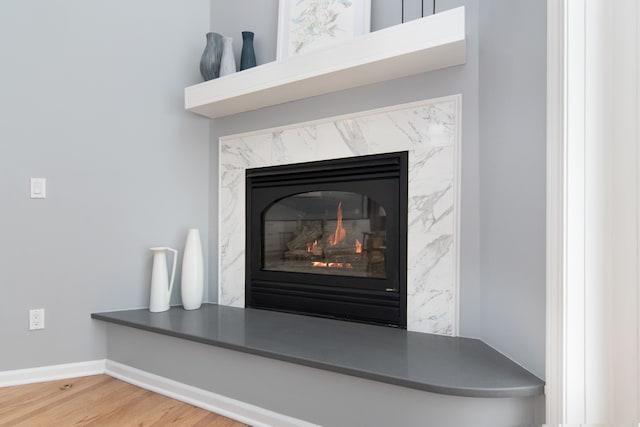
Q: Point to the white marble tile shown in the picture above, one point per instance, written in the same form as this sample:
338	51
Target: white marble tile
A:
428	131
248	152
352	135
440	123
428	282
423	216
428	249
231	220
294	145
435	317
384	135
332	143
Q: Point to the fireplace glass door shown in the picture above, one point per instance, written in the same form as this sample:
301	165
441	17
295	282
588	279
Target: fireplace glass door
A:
326	232
329	238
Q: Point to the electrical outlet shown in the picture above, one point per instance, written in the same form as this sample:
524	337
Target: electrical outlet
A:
36	319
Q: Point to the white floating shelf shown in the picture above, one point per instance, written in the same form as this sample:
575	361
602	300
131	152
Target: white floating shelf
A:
426	44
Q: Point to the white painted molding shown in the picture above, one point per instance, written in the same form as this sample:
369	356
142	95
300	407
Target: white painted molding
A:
554	389
637	257
593	221
625	211
51	373
573	175
457	228
235	409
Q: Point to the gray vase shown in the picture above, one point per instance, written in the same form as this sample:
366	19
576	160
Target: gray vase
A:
210	61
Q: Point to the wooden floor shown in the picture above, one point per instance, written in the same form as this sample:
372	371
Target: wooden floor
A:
98	400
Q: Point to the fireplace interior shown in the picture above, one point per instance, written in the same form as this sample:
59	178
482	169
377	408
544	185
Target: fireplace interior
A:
329	238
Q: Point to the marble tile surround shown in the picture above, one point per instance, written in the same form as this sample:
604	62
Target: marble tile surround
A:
428	130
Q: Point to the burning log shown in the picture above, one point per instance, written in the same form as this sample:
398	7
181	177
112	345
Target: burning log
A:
311	231
345	246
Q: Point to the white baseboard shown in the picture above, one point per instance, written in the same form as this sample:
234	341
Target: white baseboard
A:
51	373
231	408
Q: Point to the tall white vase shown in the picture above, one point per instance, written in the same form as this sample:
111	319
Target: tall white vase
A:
228	60
192	272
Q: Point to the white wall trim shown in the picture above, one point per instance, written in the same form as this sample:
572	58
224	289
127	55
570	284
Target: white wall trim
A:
573	181
593	216
637	206
51	373
555	213
566	399
240	411
457	230
623	146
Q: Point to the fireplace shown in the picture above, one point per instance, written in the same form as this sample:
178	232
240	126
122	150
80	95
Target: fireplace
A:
329	238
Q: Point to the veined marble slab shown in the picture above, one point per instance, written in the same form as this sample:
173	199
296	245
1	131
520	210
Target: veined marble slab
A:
428	130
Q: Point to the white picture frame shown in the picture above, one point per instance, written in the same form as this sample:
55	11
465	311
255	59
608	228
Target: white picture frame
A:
307	25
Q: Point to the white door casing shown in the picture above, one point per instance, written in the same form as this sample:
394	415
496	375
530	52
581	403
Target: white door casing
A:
593	303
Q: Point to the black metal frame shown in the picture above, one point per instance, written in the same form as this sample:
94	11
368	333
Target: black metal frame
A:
384	178
421	10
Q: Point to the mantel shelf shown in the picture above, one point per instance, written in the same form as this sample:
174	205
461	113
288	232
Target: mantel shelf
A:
430	43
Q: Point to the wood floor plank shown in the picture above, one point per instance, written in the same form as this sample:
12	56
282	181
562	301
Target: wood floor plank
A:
46	396
216	421
98	400
178	415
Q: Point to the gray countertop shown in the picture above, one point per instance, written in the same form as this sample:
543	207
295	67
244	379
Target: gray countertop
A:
434	363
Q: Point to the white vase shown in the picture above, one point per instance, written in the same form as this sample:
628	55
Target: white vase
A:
192	272
228	60
161	286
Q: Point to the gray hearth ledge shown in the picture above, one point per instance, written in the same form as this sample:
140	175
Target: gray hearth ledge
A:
434	363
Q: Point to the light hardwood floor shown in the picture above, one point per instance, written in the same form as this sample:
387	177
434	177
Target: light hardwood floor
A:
98	400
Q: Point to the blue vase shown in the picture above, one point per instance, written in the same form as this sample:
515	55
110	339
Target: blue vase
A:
210	61
248	55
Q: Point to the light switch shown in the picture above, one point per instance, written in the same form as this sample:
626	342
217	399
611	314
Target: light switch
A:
38	188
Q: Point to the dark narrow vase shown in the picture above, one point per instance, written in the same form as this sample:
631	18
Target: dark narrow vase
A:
248	55
210	61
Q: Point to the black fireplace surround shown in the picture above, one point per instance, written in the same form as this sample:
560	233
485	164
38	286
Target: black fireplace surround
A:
329	238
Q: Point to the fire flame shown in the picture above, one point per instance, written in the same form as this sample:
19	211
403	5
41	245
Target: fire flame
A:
331	264
312	246
339	235
340	232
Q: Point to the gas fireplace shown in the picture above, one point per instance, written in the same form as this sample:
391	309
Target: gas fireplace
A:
329	238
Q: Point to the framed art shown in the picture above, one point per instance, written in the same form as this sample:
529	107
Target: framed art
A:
307	25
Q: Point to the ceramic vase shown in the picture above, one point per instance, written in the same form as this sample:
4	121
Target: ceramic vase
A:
210	61
161	286
248	55
192	272
228	61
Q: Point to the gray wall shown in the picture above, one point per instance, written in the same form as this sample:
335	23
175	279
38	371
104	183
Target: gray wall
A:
92	99
513	178
322	397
